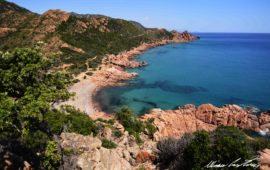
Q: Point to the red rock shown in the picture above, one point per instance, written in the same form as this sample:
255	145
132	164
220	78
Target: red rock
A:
188	119
264	118
264	159
144	156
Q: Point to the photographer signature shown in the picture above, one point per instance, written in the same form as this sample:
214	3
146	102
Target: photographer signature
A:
236	164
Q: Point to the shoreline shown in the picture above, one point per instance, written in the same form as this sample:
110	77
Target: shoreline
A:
112	72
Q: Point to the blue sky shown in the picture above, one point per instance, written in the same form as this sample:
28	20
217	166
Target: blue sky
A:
192	15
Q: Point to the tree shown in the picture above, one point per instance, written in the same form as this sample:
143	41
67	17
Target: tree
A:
224	145
230	143
199	152
28	89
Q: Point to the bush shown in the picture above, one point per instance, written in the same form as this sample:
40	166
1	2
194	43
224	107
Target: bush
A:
199	152
151	129
138	139
71	121
75	80
28	89
51	157
225	145
130	122
89	73
108	144
259	143
117	133
167	152
171	150
71	151
230	143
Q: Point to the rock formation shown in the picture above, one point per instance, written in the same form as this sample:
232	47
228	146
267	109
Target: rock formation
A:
264	159
88	153
188	119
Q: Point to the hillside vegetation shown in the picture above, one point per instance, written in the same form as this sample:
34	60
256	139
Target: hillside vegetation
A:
83	40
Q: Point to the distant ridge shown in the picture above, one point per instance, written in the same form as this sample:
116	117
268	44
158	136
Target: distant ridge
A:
82	39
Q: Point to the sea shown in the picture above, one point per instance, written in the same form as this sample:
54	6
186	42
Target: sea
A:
219	68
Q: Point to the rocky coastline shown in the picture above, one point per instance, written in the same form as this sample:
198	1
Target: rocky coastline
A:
189	119
112	70
90	154
112	73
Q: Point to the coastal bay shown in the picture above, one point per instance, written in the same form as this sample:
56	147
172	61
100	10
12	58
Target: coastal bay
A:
218	69
112	73
99	85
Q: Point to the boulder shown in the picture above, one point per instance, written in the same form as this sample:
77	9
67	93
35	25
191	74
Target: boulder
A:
144	156
188	119
264	159
107	133
80	142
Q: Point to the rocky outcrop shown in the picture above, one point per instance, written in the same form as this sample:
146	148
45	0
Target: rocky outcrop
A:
91	154
103	159
5	31
183	37
52	19
264	159
110	75
88	153
188	119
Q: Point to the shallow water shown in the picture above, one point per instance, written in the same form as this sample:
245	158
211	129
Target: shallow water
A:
218	69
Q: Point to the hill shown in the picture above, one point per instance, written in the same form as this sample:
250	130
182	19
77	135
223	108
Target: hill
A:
79	38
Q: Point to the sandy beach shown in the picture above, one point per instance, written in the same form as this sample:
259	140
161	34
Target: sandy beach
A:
111	73
83	95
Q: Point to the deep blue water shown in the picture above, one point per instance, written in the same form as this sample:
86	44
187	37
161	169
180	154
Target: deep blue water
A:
218	69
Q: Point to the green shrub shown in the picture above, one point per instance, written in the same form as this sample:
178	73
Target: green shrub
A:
25	104
108	144
259	143
199	152
151	129
127	118
225	145
71	120
117	133
111	121
138	139
230	144
71	151
75	80
51	157
130	122
89	73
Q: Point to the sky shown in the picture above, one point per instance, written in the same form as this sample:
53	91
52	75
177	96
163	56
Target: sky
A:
192	15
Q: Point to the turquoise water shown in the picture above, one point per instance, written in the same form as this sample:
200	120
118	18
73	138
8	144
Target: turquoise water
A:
218	69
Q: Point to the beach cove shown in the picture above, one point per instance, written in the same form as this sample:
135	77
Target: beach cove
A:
218	69
112	73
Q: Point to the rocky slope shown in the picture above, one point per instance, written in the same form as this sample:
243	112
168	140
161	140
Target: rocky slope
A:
83	40
188	119
89	153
